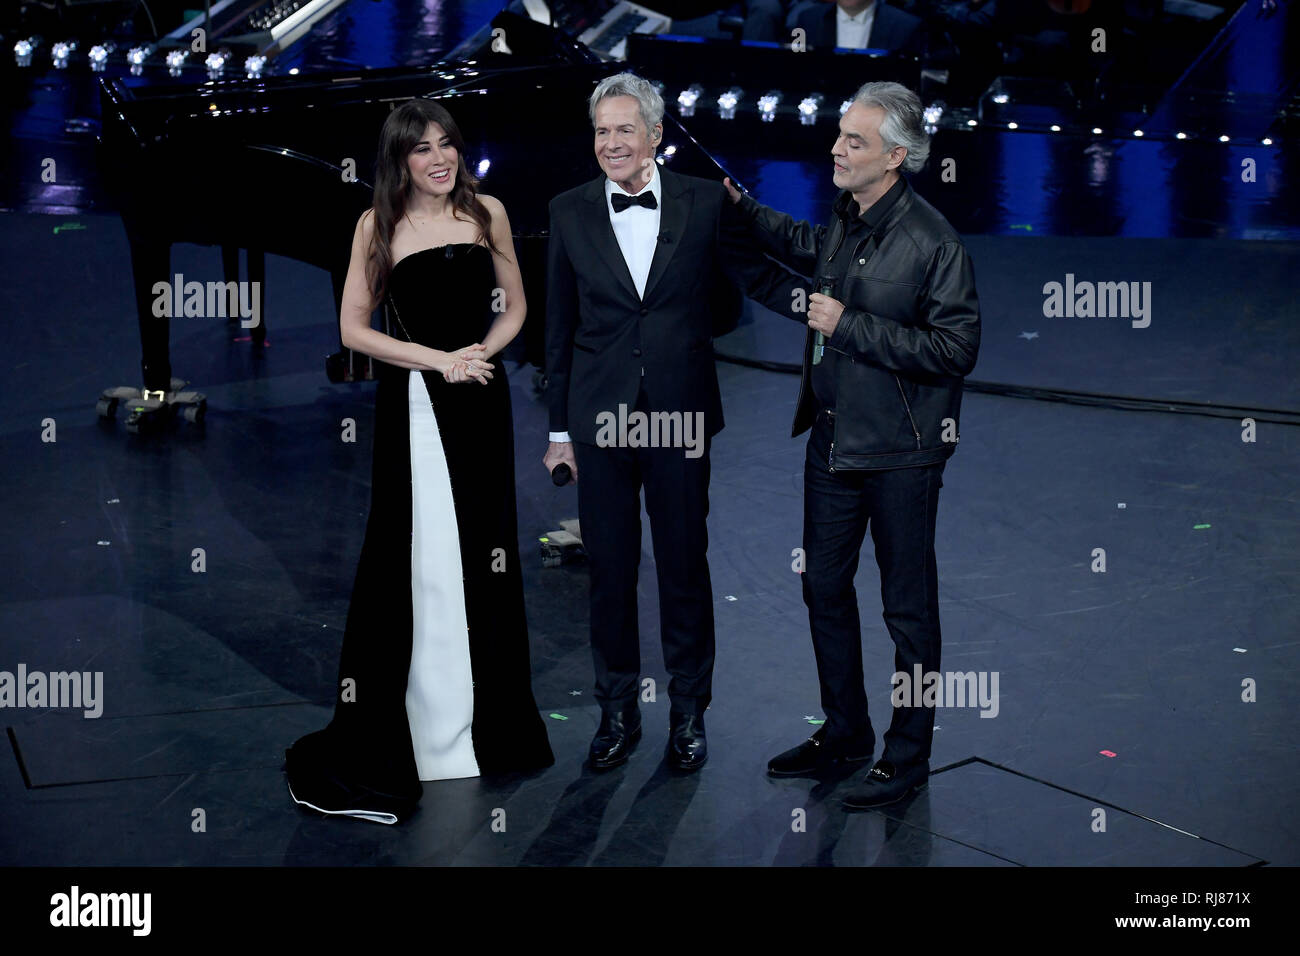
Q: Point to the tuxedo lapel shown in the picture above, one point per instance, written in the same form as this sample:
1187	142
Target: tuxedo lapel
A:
830	28
596	220
672	225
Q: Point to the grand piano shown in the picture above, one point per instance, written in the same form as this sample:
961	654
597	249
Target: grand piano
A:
262	164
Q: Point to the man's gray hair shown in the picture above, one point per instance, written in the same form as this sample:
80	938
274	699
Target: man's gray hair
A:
904	122
647	97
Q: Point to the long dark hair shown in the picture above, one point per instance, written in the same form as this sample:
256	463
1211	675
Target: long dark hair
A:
402	131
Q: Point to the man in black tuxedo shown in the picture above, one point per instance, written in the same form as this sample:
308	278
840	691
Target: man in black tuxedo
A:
634	255
858	24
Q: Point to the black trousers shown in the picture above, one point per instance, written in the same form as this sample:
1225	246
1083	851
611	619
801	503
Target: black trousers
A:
899	507
609	510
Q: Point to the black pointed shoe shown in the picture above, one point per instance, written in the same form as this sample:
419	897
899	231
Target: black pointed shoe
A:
886	784
687	748
815	756
616	738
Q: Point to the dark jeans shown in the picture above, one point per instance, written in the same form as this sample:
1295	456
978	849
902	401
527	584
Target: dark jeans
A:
899	507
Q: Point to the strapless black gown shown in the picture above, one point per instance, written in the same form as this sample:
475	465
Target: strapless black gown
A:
434	675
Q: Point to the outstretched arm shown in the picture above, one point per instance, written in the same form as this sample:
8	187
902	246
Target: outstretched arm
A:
745	261
793	243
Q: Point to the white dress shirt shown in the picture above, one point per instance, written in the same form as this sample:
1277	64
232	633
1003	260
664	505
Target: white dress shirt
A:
853	32
637	231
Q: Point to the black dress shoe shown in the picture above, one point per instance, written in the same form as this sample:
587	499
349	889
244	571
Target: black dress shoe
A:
616	738
886	784
815	756
687	748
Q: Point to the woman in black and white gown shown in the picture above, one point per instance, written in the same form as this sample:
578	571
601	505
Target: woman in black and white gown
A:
434	677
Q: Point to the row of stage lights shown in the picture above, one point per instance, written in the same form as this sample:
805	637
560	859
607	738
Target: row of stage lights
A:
688	100
136	57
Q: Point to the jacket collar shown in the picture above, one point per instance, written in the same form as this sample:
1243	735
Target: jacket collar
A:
844	207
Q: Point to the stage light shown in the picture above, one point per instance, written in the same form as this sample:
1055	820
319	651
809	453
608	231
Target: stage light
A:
767	104
1180	136
1138	133
254	65
1096	131
1002	99
1223	138
136	56
23	52
216	64
687	98
727	103
176	60
933	113
98	57
1054	128
971	122
1267	141
808	108
484	165
670	151
844	107
293	71
1013	126
60	52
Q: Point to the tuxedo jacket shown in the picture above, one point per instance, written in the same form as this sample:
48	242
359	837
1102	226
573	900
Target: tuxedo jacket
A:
605	343
891	28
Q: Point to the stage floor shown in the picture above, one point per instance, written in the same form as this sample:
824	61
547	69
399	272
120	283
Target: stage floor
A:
1120	691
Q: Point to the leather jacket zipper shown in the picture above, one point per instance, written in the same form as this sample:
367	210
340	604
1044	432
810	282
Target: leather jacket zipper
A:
839	240
830	459
911	421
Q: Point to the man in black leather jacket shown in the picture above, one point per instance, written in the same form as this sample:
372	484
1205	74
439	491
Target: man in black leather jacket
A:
892	330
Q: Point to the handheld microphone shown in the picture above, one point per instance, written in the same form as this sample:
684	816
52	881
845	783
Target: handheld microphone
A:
825	286
561	475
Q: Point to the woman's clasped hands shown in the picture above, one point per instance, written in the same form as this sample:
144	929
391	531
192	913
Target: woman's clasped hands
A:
468	365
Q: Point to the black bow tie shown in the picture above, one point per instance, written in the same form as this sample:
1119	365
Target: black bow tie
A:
621	202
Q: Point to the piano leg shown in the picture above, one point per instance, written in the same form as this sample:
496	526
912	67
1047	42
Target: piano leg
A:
257	274
151	263
230	272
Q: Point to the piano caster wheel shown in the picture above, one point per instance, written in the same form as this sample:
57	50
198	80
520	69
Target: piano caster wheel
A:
196	413
106	407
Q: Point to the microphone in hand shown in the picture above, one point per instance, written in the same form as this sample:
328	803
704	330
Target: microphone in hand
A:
561	475
825	286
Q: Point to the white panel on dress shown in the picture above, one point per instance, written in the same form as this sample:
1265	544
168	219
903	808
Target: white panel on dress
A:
440	686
